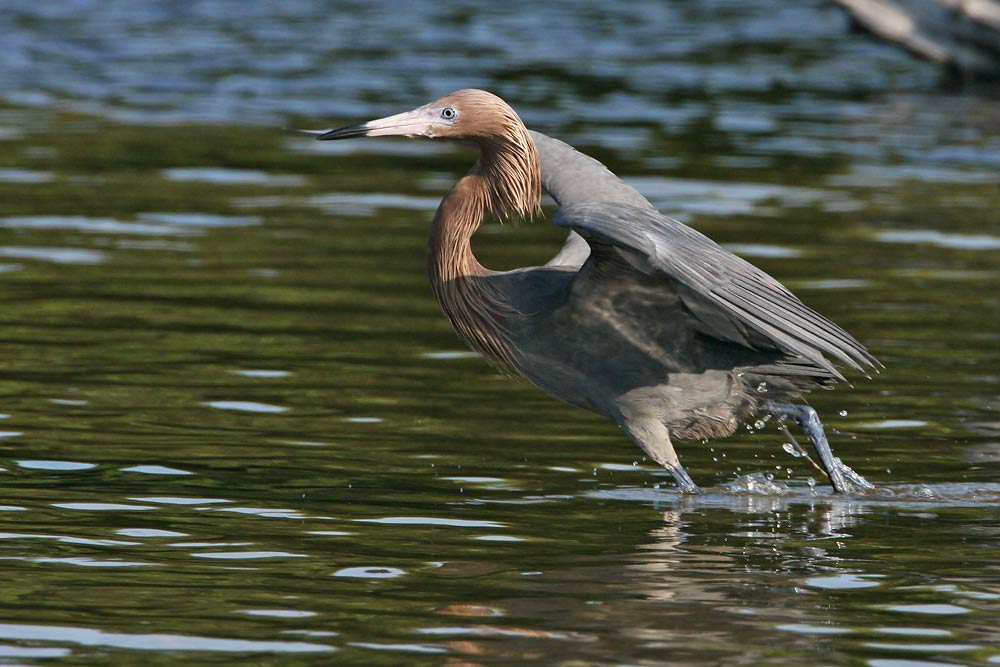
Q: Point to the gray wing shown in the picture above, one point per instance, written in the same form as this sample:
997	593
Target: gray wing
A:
734	300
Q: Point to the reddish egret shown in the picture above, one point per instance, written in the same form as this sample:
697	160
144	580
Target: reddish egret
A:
639	317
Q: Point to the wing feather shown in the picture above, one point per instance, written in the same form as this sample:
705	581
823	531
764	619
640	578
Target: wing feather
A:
735	300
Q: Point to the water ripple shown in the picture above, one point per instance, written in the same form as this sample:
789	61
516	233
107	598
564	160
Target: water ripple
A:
842	582
498	538
812	629
406	648
246	555
83	562
930	609
278	613
368	203
763	250
941	239
245	406
54	255
725	197
156	470
206	220
102	507
433	521
914	632
56	465
924	648
260	373
268	512
148	532
151	642
90	225
223	176
26	652
370	572
447	356
14	175
66	539
891	662
173	500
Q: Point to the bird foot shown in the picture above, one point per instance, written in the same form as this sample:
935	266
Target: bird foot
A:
854	479
684	482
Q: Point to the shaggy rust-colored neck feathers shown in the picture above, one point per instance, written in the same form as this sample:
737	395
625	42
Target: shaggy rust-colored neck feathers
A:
508	158
505	183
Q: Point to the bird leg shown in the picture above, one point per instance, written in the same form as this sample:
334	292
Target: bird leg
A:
654	439
842	477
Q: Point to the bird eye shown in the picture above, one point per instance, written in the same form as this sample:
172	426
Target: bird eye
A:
449	113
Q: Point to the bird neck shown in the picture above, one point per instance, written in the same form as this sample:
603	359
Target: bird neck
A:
505	183
502	184
458	217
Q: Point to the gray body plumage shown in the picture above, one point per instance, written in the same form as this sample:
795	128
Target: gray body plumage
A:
665	324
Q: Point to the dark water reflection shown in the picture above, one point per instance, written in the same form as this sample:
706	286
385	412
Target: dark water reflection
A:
234	427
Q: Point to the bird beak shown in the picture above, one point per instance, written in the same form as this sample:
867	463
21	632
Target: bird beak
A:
421	122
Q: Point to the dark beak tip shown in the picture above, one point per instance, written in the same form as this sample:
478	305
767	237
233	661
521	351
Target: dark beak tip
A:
348	132
339	133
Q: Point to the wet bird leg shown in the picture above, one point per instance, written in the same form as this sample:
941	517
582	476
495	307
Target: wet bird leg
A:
654	439
841	476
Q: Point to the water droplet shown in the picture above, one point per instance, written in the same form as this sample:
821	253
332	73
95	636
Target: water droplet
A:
762	388
759	424
811	482
843	413
790	448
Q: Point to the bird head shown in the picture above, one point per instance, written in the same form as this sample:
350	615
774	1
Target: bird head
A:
465	114
509	161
